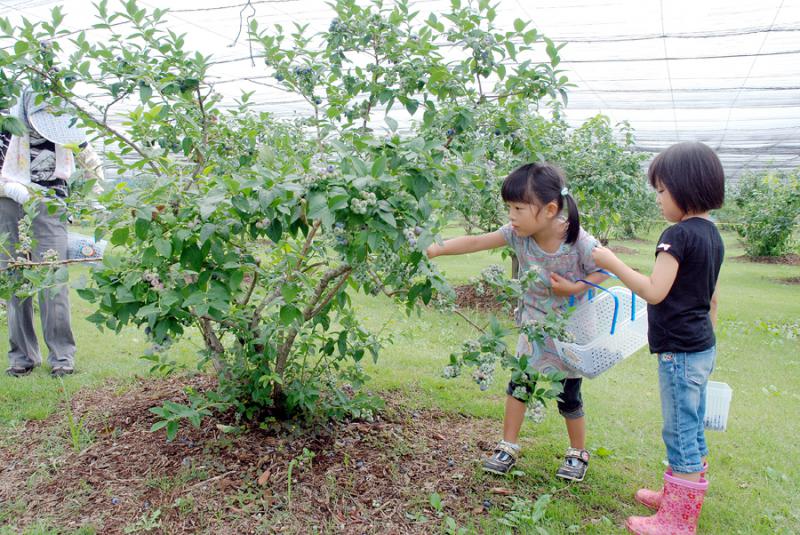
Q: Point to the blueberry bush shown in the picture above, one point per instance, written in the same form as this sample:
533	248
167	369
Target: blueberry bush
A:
255	232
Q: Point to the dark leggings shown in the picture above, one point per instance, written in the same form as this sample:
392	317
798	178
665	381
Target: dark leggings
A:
570	403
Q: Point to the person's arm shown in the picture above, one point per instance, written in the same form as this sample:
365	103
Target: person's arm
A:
564	287
467	244
713	309
654	288
88	160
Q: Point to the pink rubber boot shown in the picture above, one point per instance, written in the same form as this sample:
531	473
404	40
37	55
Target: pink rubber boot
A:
652	498
680	508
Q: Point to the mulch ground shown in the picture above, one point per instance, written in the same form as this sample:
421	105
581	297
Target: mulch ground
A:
787	259
467	297
364	477
621	249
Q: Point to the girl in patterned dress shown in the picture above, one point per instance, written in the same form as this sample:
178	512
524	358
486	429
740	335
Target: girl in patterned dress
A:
544	232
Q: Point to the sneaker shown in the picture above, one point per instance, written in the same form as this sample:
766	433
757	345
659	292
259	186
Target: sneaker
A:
19	371
61	372
575	464
502	460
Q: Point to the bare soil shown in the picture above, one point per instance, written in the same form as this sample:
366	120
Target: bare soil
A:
365	477
787	259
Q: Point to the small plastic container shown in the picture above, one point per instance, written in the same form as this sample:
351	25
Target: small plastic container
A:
718	403
80	246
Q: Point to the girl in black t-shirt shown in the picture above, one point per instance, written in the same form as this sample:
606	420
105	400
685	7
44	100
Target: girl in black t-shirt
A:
681	314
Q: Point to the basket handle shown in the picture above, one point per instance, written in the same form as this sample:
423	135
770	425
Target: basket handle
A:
633	295
616	302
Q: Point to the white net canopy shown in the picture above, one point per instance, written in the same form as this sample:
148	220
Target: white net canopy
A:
724	72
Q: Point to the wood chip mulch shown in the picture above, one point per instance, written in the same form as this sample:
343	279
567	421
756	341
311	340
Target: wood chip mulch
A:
468	298
365	477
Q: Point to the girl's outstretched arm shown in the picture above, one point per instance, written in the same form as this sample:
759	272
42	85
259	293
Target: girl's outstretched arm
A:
654	288
467	244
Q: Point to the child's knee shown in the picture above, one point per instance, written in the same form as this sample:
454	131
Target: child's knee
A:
571	412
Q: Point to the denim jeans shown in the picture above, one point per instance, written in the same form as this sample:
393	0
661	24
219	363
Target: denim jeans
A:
683	378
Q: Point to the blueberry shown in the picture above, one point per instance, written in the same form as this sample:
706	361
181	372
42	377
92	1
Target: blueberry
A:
417	230
451	132
412	242
484	387
450	463
114	500
339	224
317	100
331	168
279	77
487	504
359	464
497	131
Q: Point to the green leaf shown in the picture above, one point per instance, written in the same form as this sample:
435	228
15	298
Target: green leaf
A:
20	47
289	314
119	236
141	227
164	247
391	122
379	166
172	430
145	92
318	208
388	218
435	501
519	25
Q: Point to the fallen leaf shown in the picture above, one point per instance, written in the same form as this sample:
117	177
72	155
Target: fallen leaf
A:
263	479
502	491
437	436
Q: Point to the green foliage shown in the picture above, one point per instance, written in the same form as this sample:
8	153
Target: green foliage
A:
769	210
525	515
257	232
603	172
491	347
80	436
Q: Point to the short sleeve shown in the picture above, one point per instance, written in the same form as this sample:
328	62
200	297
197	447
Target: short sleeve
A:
511	238
673	241
584	245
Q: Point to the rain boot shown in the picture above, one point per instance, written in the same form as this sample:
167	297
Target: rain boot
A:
652	498
680	508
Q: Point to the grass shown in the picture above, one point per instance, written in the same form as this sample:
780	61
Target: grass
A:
755	485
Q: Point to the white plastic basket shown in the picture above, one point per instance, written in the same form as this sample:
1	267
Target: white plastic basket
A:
607	328
80	246
718	403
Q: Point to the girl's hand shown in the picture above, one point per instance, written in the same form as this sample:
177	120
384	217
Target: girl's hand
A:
564	287
604	257
431	251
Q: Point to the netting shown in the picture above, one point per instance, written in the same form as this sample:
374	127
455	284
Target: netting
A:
722	72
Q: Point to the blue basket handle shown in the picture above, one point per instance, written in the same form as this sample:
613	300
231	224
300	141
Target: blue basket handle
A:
616	302
633	295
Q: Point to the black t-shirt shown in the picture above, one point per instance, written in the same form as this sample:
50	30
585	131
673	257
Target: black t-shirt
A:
681	323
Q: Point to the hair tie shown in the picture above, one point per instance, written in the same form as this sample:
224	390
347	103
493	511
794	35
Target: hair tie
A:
564	191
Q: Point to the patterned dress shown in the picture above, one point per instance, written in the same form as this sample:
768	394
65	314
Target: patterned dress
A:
571	261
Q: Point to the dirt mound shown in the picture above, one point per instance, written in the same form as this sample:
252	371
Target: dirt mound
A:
364	477
788	259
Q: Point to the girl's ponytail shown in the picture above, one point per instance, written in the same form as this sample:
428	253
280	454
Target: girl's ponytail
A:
573	217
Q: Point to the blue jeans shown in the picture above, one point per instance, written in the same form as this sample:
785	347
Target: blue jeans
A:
683	378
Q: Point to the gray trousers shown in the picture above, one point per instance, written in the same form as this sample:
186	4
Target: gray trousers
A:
50	232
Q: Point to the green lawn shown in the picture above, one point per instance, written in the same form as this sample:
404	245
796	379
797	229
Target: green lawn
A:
755	481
